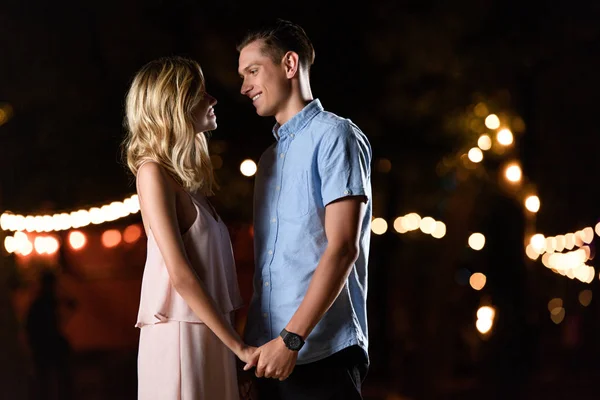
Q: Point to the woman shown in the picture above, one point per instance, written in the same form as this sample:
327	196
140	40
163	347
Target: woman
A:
189	289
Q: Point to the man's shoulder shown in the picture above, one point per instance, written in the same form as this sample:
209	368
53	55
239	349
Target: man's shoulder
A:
335	125
330	119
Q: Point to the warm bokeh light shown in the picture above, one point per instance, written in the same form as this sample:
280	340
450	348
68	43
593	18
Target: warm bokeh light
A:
484	325
587	235
585	297
9	244
569	241
18	244
513	173
555	303
557	315
77	240
532	203
74	219
27	249
492	121
248	167
485	319
439	231
475	155
531	252
399	225
481	110
505	137
427	225
550	245
484	142
477	280
538	241
486	312
476	241
45	245
111	238
6	112
578	239
412	221
560	243
571	264
379	226
384	165
132	233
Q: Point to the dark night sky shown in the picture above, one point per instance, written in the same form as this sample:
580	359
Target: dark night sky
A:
402	72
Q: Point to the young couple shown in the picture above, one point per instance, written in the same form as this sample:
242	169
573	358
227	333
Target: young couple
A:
306	333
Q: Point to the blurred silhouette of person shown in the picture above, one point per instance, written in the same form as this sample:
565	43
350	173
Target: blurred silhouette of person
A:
49	347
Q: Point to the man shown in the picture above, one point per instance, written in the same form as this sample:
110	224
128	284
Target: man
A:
312	215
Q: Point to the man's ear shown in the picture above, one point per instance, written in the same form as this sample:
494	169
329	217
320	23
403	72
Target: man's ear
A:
291	63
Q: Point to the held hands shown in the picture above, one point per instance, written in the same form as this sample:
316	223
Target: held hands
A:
247	354
273	360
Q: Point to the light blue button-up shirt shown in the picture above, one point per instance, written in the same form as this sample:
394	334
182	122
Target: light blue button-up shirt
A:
318	157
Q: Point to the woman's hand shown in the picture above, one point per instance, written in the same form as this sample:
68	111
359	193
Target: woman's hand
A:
248	354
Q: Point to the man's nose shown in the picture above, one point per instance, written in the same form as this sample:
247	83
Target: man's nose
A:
245	88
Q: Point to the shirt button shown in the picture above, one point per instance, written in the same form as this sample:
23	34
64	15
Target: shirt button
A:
273	219
292	135
281	155
266	283
270	251
346	192
277	187
265	315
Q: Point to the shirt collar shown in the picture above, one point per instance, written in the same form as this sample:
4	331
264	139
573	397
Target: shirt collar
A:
298	121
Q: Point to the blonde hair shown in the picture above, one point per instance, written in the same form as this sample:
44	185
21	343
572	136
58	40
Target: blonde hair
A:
160	123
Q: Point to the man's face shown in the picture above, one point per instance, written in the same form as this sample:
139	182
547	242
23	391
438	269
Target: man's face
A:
264	82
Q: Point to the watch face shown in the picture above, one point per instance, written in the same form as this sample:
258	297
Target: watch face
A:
294	342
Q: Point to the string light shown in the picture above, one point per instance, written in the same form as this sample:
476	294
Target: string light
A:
413	221
70	220
379	226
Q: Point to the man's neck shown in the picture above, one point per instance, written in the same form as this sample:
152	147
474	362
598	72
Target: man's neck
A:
294	106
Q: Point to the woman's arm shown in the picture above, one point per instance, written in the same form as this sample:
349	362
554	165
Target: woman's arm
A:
157	201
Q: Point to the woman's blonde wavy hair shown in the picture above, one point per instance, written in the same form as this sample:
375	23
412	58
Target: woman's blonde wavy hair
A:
160	123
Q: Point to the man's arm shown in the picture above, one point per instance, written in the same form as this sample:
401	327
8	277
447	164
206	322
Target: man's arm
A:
343	219
342	226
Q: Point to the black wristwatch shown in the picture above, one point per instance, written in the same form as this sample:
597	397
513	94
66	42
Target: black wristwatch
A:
292	341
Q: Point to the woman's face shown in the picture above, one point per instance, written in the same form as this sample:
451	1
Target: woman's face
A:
204	114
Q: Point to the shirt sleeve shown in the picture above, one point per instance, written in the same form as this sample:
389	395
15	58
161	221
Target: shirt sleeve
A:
344	163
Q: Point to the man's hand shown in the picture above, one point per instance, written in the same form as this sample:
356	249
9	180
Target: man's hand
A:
275	360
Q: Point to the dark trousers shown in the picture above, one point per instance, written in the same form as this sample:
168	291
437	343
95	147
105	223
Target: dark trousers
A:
337	377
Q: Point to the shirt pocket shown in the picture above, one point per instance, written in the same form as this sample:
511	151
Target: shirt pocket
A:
294	199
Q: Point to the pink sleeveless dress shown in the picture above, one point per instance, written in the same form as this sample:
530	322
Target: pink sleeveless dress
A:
179	357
